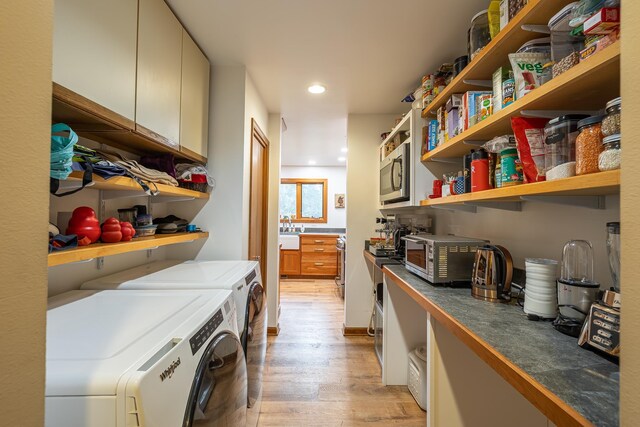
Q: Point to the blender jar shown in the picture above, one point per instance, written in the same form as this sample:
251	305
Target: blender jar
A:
576	288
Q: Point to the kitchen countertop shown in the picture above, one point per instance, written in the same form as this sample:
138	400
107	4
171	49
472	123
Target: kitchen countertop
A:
379	261
570	385
316	230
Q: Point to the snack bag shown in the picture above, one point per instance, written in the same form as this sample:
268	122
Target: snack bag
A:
529	135
528	70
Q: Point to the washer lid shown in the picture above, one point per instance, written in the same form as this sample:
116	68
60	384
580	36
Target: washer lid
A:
95	337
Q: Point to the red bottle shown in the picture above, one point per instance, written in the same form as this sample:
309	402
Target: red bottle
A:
480	171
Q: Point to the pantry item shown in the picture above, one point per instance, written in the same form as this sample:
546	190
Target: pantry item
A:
493	161
528	69
588	145
127	231
564	170
480	171
565	46
583	11
515	6
560	145
111	231
540	45
128	214
499	77
479	33
602	327
432	142
466	171
144	220
485	107
529	133
84	223
493	15
511	168
504	13
508	90
459	64
611	157
470	108
498	174
541	290
602	22
492	274
499	143
611	122
147	230
577	289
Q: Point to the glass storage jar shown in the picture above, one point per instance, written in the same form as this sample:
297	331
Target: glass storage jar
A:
560	146
611	156
588	145
611	122
479	33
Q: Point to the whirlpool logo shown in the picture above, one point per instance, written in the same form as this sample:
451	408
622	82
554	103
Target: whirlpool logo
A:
168	373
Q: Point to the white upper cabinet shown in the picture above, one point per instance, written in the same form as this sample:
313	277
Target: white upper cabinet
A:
194	111
94	51
159	72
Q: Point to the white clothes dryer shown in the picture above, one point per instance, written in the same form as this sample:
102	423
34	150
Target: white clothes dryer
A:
242	278
144	358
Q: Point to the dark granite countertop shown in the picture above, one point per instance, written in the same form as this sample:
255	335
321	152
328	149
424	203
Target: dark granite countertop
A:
380	261
582	379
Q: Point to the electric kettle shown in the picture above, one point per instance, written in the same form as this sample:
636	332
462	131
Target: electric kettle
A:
492	274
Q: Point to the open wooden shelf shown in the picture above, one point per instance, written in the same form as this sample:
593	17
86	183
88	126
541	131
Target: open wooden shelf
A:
587	86
107	249
97	123
122	183
494	55
596	184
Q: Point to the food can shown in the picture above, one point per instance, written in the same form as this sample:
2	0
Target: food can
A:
508	91
511	168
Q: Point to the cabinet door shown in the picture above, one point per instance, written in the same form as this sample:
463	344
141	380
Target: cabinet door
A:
94	51
290	262
194	103
159	73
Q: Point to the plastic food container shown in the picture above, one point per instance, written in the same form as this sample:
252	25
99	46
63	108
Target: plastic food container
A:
479	33
611	157
611	122
541	45
565	48
559	145
145	231
128	215
144	220
588	145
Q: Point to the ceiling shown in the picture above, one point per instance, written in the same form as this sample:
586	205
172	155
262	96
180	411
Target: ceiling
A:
368	53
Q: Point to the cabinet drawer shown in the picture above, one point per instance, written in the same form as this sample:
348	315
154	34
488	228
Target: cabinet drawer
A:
319	268
319	249
318	240
319	257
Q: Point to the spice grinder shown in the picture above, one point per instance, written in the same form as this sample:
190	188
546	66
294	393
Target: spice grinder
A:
576	288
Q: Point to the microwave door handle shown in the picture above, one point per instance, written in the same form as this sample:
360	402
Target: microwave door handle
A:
393	167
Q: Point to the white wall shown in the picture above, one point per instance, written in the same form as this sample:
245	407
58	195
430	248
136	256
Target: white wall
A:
273	250
363	139
26	29
337	183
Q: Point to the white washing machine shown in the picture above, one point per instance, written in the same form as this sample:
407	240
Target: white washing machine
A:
144	358
241	277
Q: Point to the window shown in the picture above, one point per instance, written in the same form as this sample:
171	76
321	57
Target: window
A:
304	199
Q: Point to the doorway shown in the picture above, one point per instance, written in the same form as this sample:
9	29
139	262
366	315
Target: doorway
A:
259	196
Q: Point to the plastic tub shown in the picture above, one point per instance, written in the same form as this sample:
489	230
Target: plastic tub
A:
560	145
479	33
145	231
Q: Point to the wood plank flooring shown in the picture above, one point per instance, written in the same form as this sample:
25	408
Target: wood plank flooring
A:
314	376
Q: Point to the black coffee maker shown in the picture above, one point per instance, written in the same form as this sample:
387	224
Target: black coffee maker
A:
398	233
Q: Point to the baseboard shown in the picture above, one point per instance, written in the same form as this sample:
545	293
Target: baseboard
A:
351	332
273	330
306	277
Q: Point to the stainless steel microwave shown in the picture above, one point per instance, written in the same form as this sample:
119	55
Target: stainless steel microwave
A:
395	174
441	259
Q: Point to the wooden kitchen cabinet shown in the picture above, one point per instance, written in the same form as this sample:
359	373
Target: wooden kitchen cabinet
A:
94	51
289	262
318	255
194	101
159	75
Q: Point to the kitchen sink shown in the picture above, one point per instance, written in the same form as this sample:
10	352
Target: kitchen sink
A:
290	241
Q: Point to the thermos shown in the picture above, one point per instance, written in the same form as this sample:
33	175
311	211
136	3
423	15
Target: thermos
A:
466	167
480	171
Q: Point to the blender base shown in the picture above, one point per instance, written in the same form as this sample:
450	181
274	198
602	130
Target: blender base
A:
568	326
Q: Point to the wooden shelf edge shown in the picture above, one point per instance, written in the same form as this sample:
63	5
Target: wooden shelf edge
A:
600	183
611	53
107	249
559	412
456	84
123	183
396	129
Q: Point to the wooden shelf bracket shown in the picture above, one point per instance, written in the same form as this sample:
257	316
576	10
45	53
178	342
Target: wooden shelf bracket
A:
591	202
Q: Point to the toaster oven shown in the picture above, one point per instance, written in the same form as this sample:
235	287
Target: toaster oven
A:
441	259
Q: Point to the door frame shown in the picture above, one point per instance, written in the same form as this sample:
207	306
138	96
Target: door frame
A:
261	138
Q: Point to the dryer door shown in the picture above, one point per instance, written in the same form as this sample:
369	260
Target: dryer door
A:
256	339
219	392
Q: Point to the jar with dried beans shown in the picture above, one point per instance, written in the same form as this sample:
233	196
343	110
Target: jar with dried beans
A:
588	145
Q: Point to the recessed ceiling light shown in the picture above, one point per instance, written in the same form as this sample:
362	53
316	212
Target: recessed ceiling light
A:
342	159
312	162
344	149
316	89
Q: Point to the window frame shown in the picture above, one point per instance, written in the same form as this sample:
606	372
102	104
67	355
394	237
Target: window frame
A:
299	182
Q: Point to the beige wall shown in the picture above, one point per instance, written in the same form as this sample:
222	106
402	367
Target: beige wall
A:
25	118
630	212
273	249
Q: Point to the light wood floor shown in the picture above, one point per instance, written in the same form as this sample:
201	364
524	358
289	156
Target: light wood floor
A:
314	376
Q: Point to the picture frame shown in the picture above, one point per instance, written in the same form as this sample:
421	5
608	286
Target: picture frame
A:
339	199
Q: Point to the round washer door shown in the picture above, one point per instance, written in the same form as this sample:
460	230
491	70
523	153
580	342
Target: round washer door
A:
219	392
256	340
